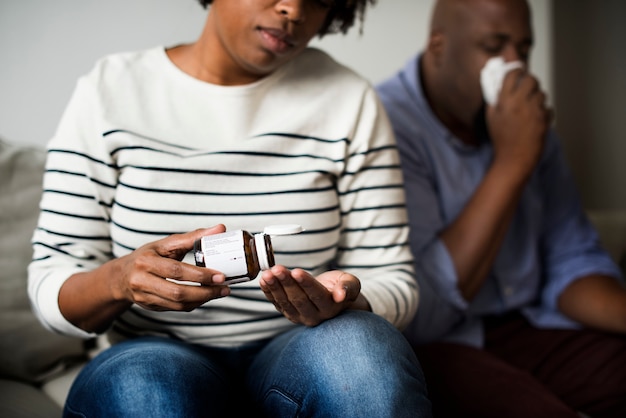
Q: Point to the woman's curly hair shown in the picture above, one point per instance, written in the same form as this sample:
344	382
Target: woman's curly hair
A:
341	16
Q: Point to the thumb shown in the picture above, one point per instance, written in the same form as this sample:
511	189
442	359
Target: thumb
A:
178	245
347	289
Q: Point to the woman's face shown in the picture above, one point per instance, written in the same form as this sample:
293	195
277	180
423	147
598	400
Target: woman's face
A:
252	38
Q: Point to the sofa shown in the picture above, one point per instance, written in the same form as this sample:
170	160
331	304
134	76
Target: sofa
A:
37	367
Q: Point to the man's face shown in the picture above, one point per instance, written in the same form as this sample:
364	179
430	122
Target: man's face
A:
483	29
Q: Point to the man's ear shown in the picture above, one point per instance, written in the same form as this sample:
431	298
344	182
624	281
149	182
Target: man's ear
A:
435	46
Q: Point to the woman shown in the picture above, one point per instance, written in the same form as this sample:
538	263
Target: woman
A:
246	127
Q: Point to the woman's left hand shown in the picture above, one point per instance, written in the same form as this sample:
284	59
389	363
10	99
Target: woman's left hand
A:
307	300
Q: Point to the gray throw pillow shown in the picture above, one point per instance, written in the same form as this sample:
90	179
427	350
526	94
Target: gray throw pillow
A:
28	352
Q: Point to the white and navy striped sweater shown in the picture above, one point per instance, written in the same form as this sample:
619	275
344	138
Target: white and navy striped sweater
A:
144	150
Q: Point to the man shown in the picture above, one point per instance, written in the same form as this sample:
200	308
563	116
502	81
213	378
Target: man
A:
522	313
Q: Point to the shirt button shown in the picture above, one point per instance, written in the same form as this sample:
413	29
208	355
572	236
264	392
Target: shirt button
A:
508	291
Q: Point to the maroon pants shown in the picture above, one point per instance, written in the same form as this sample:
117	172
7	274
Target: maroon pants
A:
528	372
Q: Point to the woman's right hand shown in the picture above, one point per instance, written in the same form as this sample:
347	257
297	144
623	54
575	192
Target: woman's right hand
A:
92	300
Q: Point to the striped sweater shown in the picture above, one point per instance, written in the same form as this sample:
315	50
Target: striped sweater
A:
143	150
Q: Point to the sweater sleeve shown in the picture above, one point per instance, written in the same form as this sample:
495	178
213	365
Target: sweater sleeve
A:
374	243
442	307
72	234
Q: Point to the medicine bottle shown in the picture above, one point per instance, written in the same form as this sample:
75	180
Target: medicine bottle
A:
238	254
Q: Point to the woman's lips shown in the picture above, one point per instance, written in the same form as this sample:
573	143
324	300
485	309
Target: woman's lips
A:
276	40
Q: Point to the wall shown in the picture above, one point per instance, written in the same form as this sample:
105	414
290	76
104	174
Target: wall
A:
590	91
46	45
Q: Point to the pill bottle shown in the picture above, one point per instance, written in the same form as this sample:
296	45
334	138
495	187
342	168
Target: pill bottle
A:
238	254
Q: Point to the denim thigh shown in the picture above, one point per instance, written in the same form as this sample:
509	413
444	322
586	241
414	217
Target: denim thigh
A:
354	365
150	377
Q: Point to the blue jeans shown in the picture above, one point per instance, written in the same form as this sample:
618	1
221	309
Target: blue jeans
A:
354	365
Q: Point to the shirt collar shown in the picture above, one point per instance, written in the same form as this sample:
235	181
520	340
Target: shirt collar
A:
412	78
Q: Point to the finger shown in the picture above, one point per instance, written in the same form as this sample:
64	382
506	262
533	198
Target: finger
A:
530	85
178	245
308	297
274	292
292	298
265	281
511	80
347	289
540	98
298	305
192	296
316	293
179	271
155	293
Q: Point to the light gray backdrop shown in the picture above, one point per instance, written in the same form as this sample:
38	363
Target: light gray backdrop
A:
46	45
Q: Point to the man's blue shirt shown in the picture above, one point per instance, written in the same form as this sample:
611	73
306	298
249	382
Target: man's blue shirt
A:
550	242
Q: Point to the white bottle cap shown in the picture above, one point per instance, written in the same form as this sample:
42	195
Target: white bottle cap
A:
259	242
288	229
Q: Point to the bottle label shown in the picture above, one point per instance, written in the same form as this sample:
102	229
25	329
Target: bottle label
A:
225	253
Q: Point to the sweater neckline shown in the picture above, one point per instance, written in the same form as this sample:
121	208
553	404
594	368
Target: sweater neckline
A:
173	71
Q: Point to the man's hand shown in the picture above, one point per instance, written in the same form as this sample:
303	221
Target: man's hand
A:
518	122
596	301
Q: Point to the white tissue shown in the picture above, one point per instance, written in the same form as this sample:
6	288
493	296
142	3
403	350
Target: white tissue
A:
492	76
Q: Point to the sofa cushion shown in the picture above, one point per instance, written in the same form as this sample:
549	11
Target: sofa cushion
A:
24	401
21	170
28	351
